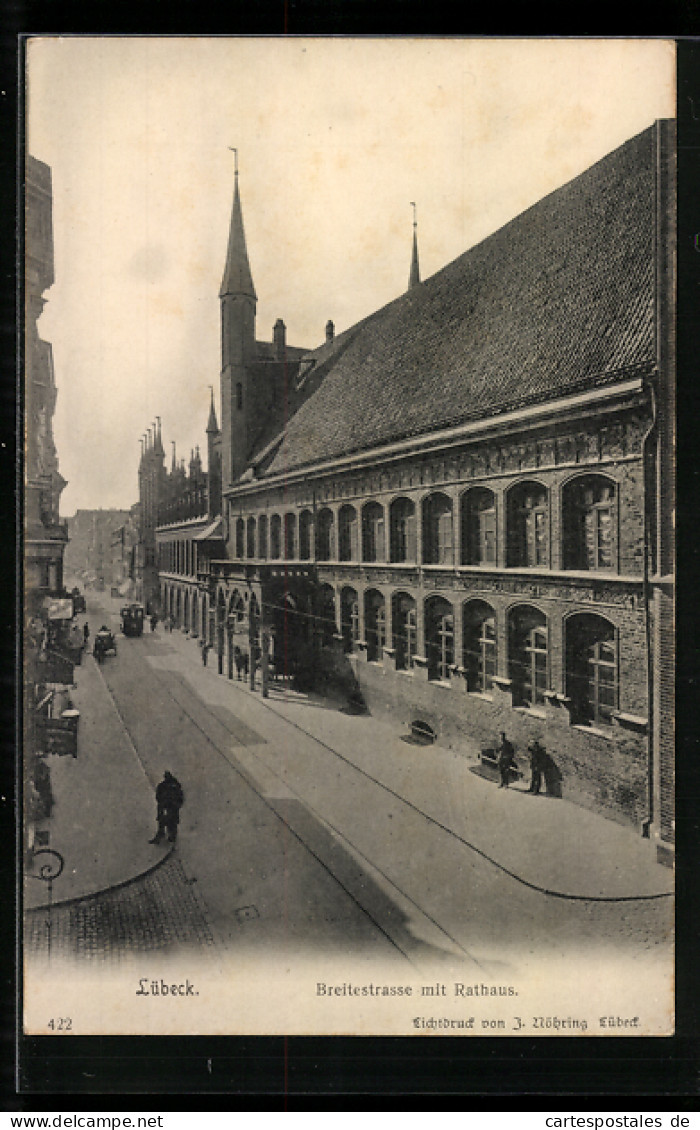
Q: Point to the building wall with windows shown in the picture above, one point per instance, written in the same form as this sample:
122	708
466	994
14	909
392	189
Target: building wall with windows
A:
490	585
458	508
45	535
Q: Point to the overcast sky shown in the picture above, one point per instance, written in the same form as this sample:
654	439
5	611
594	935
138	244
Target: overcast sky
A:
335	137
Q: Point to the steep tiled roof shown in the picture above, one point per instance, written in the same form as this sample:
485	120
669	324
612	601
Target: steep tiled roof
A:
558	299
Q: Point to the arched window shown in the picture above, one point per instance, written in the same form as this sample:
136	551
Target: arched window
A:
349	619
404	629
373	537
589	513
591	669
528	656
240	538
479	645
528	526
324	535
402	526
375	624
290	529
325	614
438	545
439	637
262	536
347	533
479	527
250	541
305	528
275	537
236	608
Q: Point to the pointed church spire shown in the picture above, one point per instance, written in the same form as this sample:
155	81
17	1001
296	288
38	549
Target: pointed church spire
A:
212	426
414	276
237	276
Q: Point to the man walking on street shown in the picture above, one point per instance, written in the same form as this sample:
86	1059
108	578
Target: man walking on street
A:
169	801
506	759
537	759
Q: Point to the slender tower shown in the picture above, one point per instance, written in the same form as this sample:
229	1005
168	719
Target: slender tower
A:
414	275
238	305
213	463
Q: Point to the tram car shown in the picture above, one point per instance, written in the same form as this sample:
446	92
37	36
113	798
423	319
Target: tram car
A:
132	619
78	601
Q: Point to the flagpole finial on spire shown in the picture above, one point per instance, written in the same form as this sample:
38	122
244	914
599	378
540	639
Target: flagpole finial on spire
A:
235	159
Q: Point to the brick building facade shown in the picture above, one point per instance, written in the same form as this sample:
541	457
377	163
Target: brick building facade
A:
458	508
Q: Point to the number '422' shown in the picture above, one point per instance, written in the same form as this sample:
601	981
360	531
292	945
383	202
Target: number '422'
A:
60	1024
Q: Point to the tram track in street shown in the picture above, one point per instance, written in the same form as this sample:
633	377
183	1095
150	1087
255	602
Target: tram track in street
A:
247	778
546	891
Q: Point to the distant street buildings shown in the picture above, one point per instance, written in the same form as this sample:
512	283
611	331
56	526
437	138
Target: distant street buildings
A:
101	552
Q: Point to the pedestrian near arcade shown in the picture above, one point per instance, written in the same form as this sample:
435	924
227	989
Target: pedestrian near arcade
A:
86	633
537	762
154	621
169	800
238	660
205	651
506	760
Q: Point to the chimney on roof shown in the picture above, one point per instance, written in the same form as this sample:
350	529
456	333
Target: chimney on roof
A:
279	337
330	331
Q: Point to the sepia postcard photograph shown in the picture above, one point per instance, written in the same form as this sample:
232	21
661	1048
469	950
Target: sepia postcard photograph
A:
348	545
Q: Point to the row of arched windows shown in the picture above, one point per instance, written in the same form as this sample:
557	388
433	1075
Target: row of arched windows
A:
591	676
374	532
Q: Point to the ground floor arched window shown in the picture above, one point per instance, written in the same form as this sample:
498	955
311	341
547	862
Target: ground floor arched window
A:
325	615
591	669
405	630
479	646
439	637
528	656
375	625
349	619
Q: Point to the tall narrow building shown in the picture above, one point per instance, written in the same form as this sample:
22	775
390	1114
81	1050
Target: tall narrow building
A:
45	534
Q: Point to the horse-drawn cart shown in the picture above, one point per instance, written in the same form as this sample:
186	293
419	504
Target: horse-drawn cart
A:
105	644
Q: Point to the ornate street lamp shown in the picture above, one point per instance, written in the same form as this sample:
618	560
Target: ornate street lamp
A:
48	871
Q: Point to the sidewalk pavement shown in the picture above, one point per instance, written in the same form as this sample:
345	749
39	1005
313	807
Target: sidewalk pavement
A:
100	834
553	845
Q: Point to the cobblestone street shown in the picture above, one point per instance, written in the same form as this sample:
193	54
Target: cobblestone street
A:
158	913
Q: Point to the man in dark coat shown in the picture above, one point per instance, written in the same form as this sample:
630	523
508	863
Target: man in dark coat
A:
169	801
537	762
506	760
